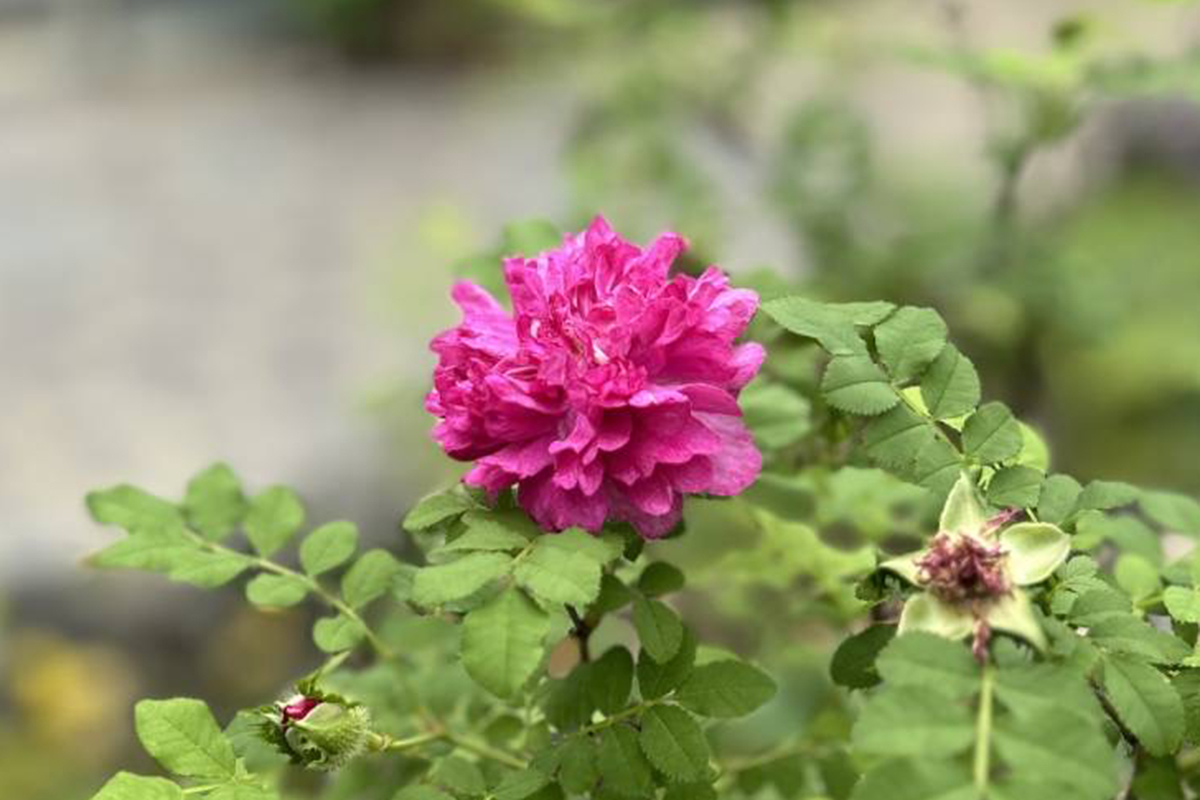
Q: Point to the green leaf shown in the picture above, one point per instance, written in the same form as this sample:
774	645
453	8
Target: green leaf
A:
369	578
328	547
459	776
923	659
275	516
1015	487
214	503
674	743
938	466
207	570
1060	494
493	538
569	701
660	578
522	784
614	595
1105	495
726	689
1137	576
777	415
422	792
1097	604
1146	702
855	384
438	508
1035	452
502	642
1175	512
657	680
658	628
925	724
623	767
445	583
335	634
127	786
243	791
170	550
1128	533
131	508
1033	690
926	779
834	325
1183	603
1054	748
1136	637
690	791
275	591
577	765
557	573
853	663
950	387
1187	683
511	521
910	340
182	735
895	439
992	435
611	680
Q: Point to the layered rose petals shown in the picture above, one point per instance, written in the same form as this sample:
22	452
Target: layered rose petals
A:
611	390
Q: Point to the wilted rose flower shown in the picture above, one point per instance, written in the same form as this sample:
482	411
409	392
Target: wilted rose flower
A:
973	571
611	390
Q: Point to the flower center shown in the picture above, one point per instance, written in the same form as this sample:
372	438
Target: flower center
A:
961	569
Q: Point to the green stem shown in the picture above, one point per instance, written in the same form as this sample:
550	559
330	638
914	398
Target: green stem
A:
729	769
390	745
437	729
334	602
484	750
613	719
330	599
983	734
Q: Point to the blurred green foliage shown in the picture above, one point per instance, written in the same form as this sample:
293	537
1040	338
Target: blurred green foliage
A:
1082	315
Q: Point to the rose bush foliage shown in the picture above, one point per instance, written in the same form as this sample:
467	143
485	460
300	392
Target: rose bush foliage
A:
1006	631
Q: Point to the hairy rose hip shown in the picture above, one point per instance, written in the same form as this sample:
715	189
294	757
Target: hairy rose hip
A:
608	393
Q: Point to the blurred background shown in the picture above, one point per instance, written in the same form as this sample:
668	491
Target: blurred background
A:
228	229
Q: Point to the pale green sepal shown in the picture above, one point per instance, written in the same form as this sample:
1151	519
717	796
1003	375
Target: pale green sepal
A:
1014	614
1035	550
963	512
924	612
905	566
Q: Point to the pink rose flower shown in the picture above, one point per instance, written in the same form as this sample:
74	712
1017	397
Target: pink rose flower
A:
611	390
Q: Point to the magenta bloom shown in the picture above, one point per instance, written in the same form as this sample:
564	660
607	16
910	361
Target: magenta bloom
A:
609	393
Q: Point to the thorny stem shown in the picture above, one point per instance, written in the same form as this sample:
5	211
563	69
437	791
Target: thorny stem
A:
983	733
